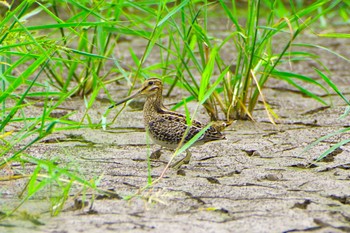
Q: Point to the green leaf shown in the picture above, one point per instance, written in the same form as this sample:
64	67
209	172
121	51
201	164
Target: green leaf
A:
324	138
207	73
172	12
214	86
288	77
334	35
333	148
332	85
193	140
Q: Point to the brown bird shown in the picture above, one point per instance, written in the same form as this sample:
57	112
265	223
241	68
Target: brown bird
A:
167	128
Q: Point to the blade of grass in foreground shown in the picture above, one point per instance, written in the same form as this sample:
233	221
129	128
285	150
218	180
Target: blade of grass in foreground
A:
214	86
38	180
332	85
324	138
288	77
18	82
335	35
333	148
341	143
207	73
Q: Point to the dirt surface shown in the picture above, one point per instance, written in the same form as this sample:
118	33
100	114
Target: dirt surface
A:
258	180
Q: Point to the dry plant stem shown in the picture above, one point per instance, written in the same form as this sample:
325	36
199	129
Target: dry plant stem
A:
245	109
263	98
220	102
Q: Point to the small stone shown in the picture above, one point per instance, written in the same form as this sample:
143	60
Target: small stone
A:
256	154
213	180
302	205
181	172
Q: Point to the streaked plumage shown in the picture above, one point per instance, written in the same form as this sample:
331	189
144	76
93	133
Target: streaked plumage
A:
166	127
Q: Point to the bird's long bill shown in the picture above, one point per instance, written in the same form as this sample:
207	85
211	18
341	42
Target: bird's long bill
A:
127	98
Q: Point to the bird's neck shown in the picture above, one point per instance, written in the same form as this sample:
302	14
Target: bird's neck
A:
154	104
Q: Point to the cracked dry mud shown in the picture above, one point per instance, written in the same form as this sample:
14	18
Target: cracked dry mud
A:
255	181
258	180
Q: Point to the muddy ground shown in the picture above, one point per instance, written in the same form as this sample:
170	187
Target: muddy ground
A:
258	180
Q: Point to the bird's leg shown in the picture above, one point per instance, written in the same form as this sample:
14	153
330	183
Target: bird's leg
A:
155	155
185	160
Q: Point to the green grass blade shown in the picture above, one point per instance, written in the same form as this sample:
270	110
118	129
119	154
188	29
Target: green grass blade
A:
332	85
332	148
207	73
172	12
214	86
323	48
334	35
31	69
193	140
341	131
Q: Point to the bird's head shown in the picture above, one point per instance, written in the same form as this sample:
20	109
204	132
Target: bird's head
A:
150	87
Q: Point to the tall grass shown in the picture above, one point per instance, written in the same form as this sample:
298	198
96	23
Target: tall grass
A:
53	50
338	132
48	63
257	57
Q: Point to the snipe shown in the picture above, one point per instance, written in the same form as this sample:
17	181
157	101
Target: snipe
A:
166	127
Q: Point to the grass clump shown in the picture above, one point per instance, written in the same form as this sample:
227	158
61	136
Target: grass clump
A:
41	64
260	53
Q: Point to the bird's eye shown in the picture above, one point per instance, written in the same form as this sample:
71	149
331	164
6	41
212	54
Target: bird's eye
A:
150	83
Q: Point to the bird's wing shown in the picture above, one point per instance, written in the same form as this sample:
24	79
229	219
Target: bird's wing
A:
171	128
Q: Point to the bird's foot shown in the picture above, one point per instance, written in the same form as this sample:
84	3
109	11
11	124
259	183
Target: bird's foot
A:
183	161
155	155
